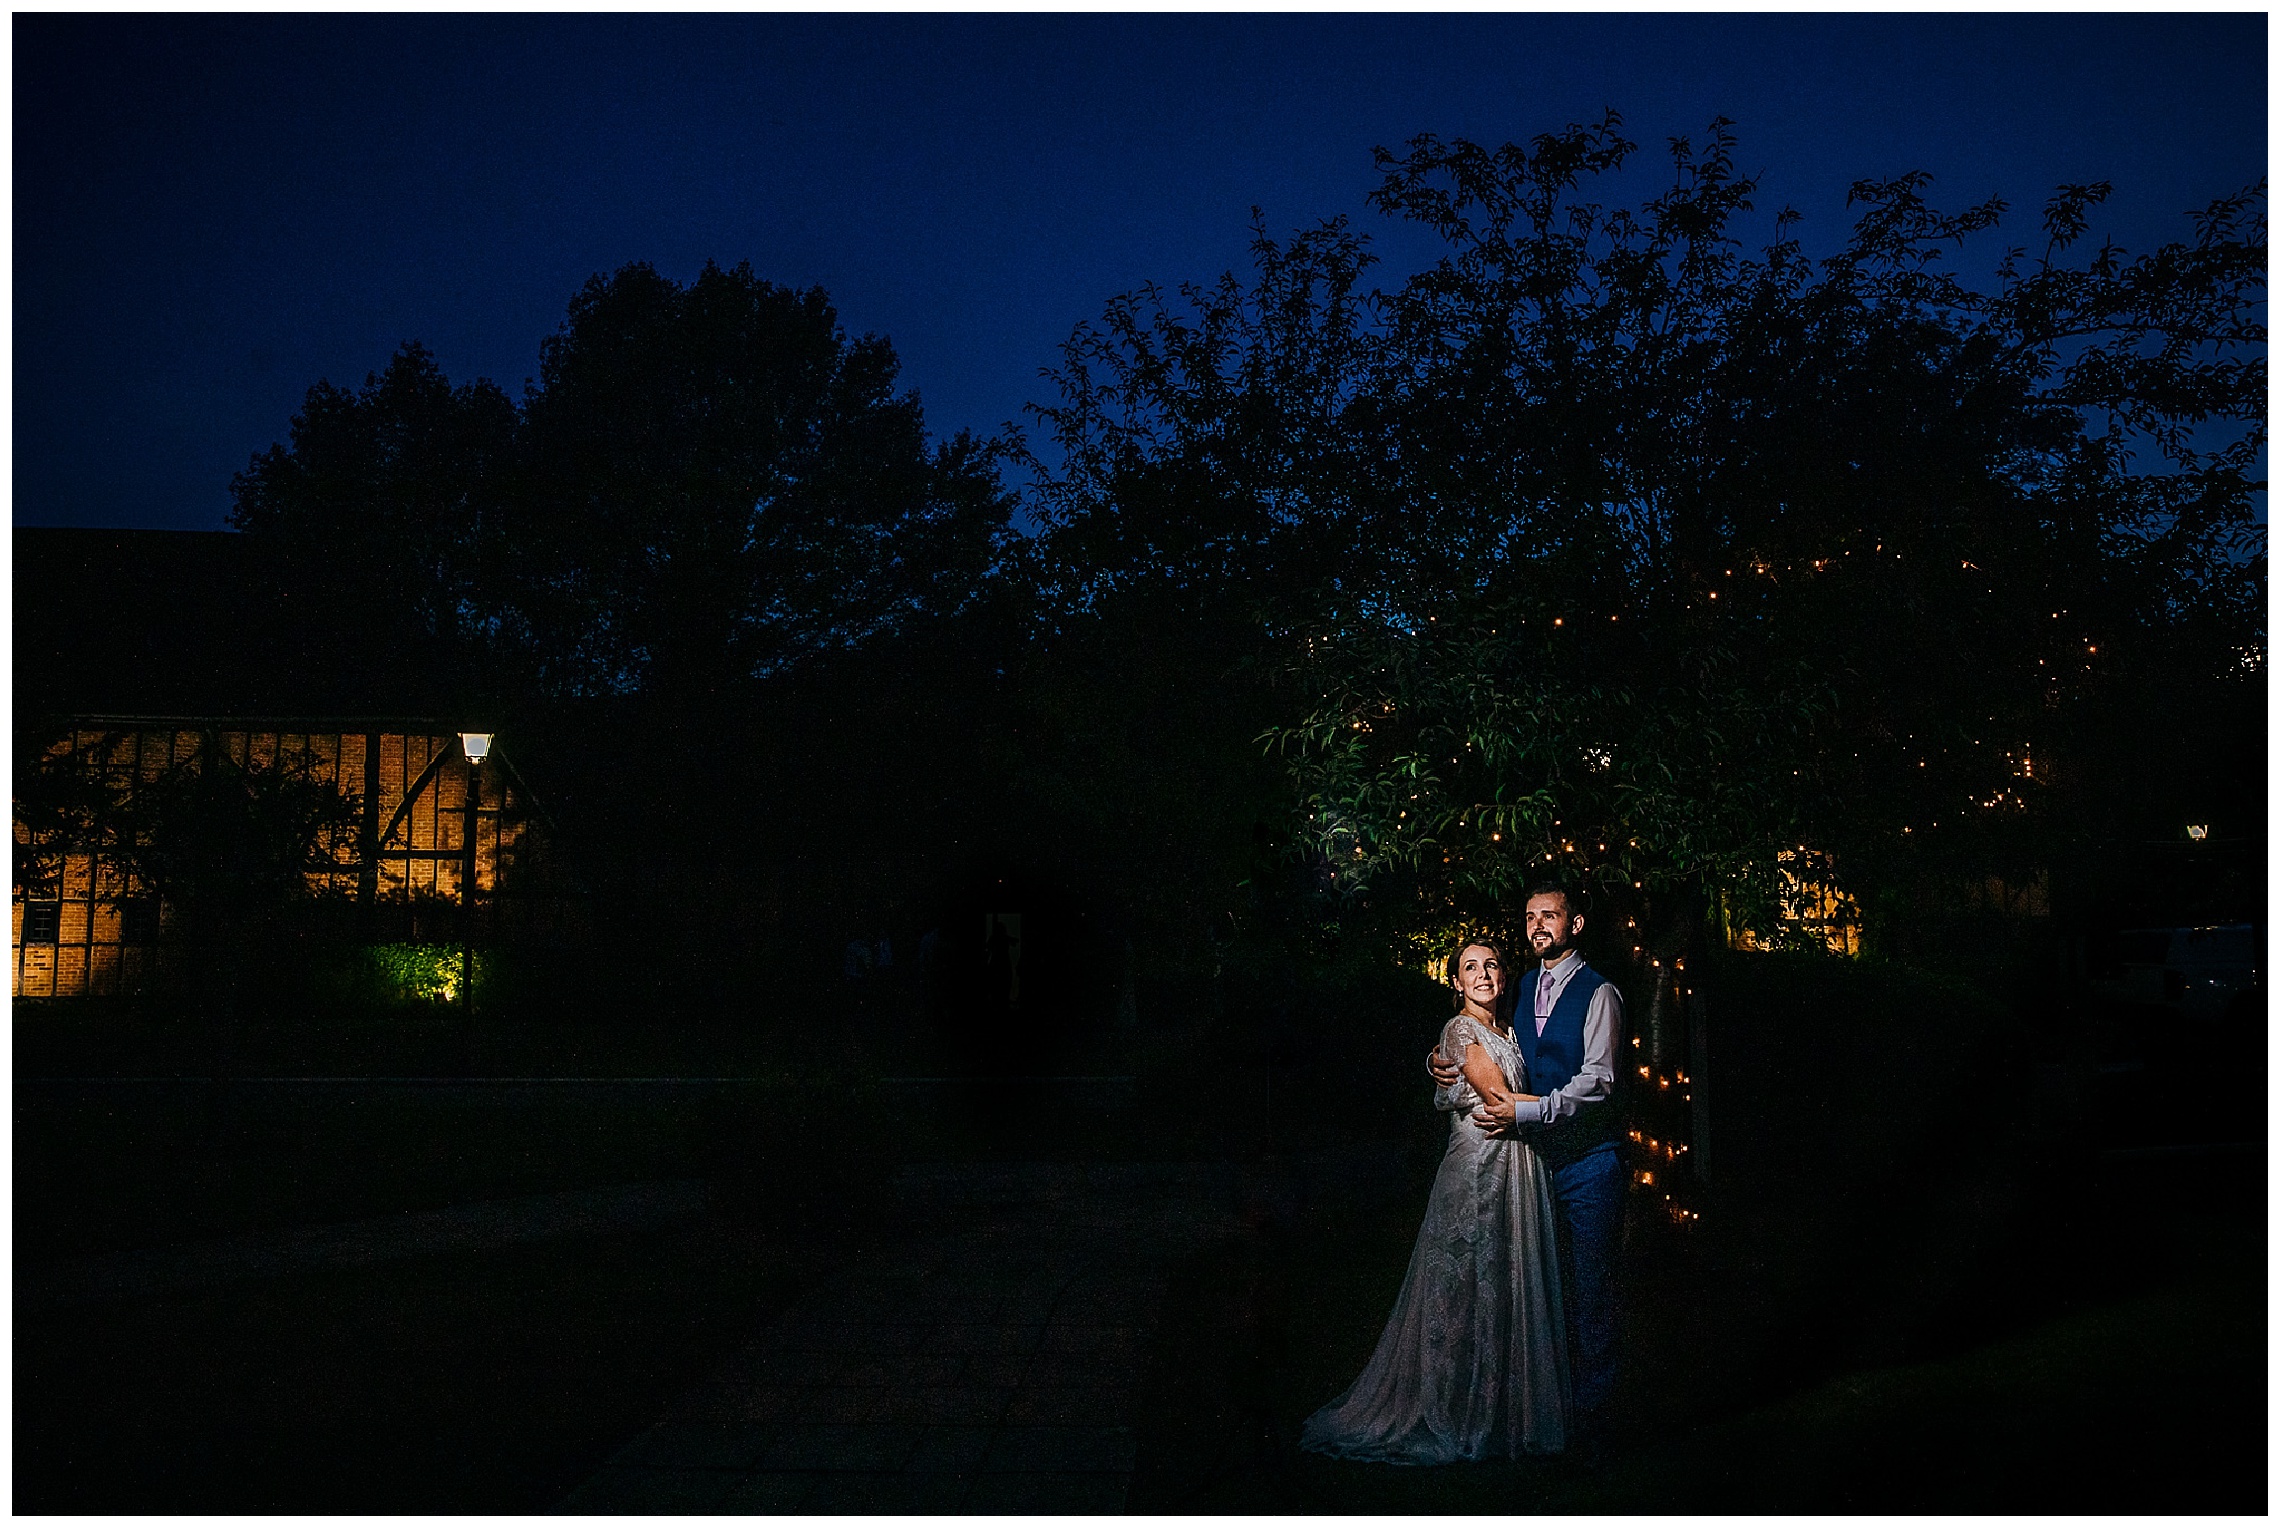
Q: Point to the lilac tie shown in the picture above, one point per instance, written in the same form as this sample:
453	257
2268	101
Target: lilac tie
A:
1543	998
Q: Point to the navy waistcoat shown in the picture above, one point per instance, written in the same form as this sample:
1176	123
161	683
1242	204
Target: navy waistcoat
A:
1554	1058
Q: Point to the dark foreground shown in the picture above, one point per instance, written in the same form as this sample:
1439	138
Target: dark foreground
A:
2046	1319
2111	1360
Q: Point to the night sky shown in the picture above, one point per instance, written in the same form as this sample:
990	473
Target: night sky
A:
212	212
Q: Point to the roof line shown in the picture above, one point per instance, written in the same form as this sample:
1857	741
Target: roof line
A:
292	723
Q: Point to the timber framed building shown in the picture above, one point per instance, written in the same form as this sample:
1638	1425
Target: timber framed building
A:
417	848
143	651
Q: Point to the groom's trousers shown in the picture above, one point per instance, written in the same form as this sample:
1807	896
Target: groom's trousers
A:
1590	1197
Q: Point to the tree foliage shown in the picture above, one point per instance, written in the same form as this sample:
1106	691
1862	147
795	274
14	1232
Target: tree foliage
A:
215	837
704	484
382	515
1627	539
720	482
1609	546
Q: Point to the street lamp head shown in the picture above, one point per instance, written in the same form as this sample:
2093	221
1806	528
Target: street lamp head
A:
477	744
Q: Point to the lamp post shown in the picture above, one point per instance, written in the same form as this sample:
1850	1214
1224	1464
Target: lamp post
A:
478	747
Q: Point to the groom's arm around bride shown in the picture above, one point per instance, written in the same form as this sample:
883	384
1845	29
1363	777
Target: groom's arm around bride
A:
1589	1083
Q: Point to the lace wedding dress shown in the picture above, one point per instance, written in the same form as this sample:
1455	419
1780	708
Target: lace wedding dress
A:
1473	1363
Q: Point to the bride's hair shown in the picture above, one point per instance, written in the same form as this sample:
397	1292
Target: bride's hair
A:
1456	959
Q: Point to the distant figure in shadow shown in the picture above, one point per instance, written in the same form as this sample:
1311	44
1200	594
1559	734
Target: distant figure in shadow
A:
1473	1362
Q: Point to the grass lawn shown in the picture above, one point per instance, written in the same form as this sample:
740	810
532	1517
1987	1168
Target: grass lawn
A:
489	1382
101	1170
772	1033
2147	1405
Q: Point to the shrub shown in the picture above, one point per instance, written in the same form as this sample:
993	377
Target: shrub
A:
422	972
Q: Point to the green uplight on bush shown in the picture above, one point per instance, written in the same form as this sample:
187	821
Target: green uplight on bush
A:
423	972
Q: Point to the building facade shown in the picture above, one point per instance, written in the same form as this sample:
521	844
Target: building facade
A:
415	843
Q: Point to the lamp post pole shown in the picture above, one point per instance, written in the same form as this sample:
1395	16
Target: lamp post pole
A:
477	745
467	892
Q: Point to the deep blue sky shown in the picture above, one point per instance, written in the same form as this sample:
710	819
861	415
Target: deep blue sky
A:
213	212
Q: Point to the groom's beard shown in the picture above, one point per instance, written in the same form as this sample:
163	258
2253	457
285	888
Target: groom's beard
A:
1547	948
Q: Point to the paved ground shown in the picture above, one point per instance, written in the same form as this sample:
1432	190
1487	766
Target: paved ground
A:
989	1364
458	1228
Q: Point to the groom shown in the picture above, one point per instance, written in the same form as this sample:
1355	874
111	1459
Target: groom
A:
1568	1020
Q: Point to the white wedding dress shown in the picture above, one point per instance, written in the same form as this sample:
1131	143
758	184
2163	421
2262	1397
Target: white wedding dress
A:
1473	1363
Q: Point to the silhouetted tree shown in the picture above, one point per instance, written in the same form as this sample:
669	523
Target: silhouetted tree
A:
718	481
1604	546
381	515
705	483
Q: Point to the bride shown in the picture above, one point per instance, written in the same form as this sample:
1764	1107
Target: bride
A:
1473	1363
